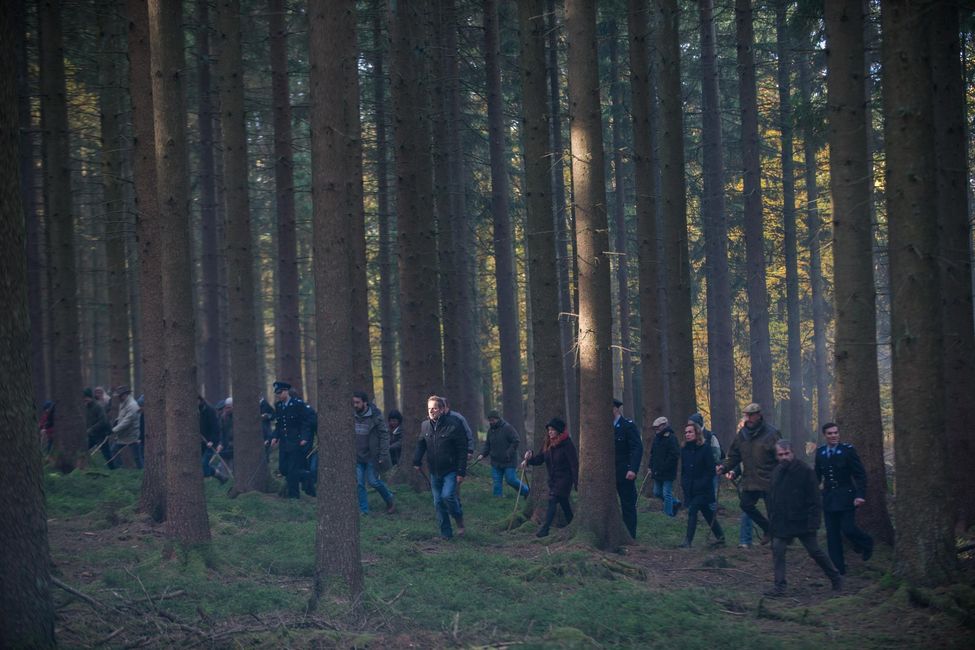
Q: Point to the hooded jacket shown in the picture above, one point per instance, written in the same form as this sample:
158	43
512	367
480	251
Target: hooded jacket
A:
755	450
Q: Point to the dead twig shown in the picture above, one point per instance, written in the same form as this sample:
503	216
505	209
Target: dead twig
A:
110	637
85	597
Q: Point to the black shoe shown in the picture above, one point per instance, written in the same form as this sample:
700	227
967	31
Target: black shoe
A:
718	543
837	583
684	544
542	532
775	592
867	553
676	508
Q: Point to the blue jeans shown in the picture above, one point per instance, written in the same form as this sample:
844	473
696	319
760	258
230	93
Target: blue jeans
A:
510	477
745	529
366	473
665	490
445	502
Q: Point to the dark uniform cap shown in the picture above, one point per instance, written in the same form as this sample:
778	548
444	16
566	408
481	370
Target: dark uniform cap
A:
617	403
281	385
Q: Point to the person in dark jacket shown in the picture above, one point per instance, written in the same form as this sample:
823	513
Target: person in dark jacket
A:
696	478
225	409
444	442
753	449
371	451
844	481
629	453
98	428
501	446
293	432
664	456
210	437
562	462
794	512
394	423
267	426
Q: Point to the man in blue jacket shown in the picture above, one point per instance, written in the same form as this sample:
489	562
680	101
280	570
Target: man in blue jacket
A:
629	453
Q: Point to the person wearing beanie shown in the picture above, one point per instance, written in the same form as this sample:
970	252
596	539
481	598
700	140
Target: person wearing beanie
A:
501	446
562	462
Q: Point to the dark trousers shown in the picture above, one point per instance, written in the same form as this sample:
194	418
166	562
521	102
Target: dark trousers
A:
704	506
627	491
748	502
781	544
838	524
553	503
292	464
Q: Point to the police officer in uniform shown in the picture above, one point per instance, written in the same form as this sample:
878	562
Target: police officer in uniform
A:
293	430
629	452
844	482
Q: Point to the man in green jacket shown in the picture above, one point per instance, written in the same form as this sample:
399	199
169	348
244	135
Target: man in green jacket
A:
371	451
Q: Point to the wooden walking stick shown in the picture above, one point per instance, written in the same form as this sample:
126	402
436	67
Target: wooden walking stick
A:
511	519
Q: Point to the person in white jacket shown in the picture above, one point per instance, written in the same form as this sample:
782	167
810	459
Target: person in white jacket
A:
125	432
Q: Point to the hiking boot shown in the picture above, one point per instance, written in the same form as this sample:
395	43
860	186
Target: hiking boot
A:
867	553
542	532
391	507
460	528
745	546
764	539
837	583
718	543
676	508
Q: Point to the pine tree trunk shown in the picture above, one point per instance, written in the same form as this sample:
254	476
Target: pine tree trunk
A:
153	496
814	229
213	326
758	316
857	387
797	429
70	442
337	204
185	505
115	211
925	543
673	195
387	269
286	327
504	264
599	513
549	383
955	244
25	598
421	361
250	467
721	362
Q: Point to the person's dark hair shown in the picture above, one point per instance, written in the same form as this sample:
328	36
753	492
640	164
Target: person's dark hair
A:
395	415
361	395
784	445
828	425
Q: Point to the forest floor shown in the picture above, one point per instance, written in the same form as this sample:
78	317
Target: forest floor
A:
126	586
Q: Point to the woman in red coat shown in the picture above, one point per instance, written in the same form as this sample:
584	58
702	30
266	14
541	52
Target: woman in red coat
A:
560	458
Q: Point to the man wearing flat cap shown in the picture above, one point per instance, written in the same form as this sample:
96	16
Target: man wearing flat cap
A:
125	433
664	458
753	449
293	432
629	453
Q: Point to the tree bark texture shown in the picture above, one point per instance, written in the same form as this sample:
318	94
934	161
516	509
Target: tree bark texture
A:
673	203
948	101
337	205
421	362
599	513
925	545
25	598
66	382
721	347
185	506
152	499
287	329
797	429
857	385
250	467
758	317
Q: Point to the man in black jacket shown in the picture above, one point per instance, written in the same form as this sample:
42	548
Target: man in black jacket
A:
501	446
629	453
664	455
443	440
794	512
844	481
293	430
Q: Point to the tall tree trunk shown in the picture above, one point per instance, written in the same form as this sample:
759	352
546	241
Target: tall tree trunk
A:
619	222
25	599
599	513
721	347
70	443
797	426
549	382
948	102
286	326
504	263
421	361
251	468
814	229
337	205
115	211
148	236
857	388
213	326
758	326
563	235
185	506
35	275
925	548
673	195
387	280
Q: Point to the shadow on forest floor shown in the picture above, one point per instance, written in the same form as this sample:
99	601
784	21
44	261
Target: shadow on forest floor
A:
490	588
